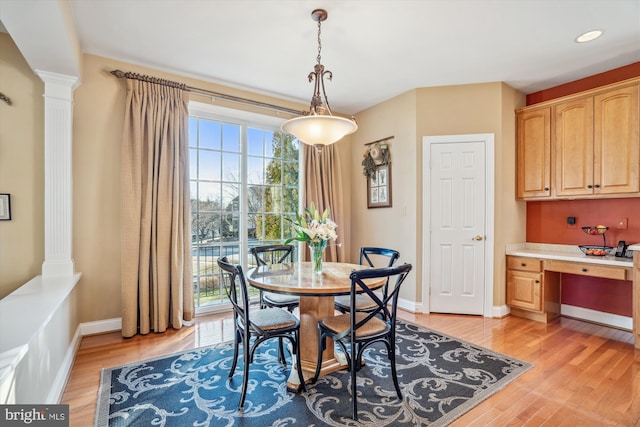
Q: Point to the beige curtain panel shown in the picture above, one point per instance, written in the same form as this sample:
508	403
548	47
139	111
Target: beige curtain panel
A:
323	187
156	238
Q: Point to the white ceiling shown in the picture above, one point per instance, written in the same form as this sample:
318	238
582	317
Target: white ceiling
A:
376	49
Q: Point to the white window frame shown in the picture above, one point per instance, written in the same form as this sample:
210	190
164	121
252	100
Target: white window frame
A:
246	119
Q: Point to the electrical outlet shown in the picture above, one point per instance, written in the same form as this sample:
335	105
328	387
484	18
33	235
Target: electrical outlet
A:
622	223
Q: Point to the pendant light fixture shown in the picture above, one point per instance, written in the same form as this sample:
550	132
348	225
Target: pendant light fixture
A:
319	127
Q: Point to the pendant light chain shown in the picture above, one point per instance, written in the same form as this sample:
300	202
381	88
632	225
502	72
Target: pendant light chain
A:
319	41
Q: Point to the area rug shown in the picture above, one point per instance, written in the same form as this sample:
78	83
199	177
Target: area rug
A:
441	378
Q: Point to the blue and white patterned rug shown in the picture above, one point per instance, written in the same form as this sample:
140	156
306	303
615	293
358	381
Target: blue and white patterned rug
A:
441	378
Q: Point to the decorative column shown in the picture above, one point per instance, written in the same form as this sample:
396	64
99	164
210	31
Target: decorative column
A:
58	183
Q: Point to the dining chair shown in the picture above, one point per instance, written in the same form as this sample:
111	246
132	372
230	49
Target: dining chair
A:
261	325
372	257
275	254
357	330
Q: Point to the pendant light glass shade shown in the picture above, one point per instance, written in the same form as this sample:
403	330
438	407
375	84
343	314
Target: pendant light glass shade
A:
319	127
319	130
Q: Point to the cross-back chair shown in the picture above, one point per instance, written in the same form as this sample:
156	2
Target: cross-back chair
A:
275	254
373	257
259	325
356	330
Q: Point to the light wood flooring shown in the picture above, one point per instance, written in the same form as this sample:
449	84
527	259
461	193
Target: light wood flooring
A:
584	374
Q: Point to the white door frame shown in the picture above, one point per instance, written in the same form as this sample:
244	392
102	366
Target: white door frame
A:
488	140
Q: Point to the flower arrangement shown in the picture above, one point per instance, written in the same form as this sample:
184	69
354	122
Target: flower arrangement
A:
316	230
313	228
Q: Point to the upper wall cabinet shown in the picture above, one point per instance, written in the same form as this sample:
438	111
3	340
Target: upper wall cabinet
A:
593	140
534	153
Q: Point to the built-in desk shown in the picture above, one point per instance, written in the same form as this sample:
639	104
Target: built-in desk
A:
534	274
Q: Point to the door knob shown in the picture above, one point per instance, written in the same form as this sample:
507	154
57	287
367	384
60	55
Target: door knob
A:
477	237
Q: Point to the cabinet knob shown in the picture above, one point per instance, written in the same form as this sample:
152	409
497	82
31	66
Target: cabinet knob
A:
523	264
537	281
597	186
589	186
546	188
584	270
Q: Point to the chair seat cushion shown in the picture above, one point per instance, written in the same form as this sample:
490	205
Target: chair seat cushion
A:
280	299
363	302
341	323
269	319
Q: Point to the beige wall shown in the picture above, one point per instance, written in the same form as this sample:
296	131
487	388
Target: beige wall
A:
463	109
21	169
395	226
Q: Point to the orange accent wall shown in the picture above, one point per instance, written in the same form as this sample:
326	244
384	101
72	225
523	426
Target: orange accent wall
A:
591	82
547	223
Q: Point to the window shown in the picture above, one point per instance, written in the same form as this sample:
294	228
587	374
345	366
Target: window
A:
244	177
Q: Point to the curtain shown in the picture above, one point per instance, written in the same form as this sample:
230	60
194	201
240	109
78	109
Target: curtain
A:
323	187
155	211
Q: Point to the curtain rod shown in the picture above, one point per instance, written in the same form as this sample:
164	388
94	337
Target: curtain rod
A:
5	98
198	91
380	140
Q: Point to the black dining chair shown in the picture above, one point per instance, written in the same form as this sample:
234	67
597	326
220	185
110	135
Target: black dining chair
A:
372	257
357	330
275	254
259	325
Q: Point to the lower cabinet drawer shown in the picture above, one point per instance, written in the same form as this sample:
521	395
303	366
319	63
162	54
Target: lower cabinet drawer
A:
606	272
523	263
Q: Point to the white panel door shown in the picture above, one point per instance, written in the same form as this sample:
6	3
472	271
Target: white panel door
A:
457	212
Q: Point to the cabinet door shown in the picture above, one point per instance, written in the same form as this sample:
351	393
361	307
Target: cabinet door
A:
573	142
524	290
534	154
617	142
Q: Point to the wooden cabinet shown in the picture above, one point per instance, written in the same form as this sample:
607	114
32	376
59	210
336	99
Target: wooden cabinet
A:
531	292
534	154
573	143
636	298
594	143
597	148
616	141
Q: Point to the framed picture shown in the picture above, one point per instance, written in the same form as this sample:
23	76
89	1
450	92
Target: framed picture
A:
5	206
379	188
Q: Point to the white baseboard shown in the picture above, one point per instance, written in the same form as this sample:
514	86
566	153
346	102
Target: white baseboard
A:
500	311
101	326
410	306
83	329
614	320
60	382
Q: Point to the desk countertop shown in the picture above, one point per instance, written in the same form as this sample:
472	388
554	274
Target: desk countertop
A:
634	247
566	253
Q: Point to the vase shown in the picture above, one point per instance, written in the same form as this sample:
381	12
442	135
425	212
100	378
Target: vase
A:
316	255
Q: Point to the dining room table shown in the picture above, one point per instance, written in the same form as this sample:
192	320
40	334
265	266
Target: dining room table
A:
316	292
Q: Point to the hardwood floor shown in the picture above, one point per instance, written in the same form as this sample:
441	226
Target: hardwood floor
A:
583	374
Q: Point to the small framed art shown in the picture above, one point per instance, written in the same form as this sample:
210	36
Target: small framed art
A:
5	206
379	187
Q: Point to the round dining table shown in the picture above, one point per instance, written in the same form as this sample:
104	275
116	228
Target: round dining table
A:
316	292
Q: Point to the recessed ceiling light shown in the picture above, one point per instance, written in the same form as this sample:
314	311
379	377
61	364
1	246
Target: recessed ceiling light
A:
588	36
